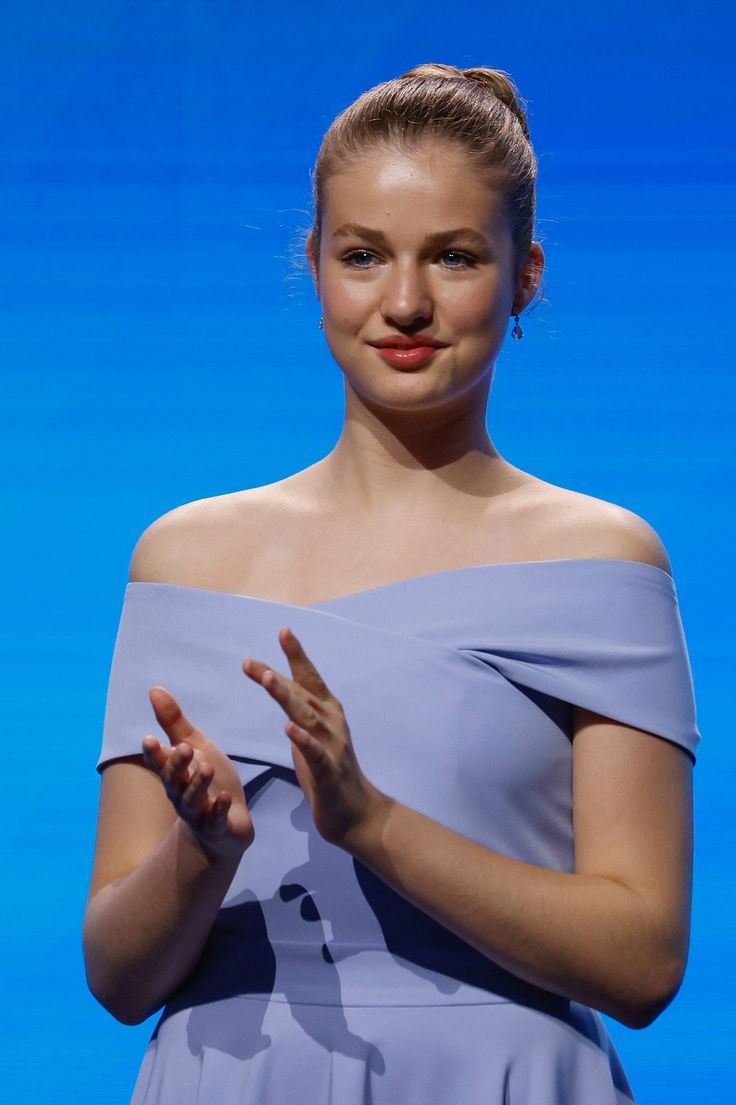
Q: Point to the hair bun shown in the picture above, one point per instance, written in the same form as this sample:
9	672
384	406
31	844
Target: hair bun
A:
496	81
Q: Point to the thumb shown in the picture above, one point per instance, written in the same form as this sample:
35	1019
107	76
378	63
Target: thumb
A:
175	724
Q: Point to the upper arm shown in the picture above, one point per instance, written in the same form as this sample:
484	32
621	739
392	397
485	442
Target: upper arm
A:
633	822
134	816
632	795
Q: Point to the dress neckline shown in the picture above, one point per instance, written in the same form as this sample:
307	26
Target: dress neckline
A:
445	573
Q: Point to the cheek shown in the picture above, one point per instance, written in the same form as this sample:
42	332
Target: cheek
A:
475	314
348	297
474	304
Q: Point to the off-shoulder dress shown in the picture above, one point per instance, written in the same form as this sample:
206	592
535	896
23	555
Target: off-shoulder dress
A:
319	984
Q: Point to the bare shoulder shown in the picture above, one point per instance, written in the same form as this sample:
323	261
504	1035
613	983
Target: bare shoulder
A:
186	545
591	527
622	534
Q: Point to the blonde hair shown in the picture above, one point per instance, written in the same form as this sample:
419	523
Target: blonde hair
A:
480	109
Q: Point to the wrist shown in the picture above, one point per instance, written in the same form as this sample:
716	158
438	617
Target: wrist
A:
209	854
364	839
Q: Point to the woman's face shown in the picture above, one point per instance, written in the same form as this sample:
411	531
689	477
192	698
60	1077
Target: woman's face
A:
434	258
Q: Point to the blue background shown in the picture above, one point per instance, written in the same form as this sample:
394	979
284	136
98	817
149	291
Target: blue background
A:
156	310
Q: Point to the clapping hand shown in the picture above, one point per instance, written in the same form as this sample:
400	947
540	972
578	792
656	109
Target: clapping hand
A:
342	799
199	779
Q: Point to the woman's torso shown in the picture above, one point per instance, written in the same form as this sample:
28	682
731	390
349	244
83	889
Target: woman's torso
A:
327	932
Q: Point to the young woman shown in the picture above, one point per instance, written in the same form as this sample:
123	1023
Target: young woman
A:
423	803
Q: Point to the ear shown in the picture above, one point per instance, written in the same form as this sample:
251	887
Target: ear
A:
313	261
529	278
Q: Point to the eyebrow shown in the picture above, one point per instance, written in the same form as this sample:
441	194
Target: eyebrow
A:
438	238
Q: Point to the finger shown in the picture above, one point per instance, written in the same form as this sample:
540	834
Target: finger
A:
175	724
153	754
156	755
216	815
302	668
266	676
316	755
254	668
175	774
300	710
196	791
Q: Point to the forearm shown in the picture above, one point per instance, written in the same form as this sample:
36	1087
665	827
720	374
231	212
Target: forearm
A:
144	932
586	937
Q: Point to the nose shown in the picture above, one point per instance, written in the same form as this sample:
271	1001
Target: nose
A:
406	298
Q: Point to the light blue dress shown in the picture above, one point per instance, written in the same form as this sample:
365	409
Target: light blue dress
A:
319	984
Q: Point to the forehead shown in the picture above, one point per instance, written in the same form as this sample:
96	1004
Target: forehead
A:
434	183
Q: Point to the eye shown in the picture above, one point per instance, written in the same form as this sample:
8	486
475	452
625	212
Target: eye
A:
468	260
350	260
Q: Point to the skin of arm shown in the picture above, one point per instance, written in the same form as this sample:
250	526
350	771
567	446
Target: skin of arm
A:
615	933
144	932
157	886
590	937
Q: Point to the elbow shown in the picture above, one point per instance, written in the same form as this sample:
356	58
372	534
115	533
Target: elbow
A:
109	993
124	1014
133	1018
648	1006
642	1016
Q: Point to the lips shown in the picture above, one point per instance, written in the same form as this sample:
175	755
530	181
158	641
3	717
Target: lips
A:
407	358
401	341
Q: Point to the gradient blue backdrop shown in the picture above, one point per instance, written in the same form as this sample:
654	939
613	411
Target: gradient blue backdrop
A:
159	344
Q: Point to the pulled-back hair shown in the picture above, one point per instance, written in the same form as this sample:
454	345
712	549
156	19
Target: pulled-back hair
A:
480	109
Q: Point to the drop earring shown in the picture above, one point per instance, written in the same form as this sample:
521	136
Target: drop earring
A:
517	330
321	323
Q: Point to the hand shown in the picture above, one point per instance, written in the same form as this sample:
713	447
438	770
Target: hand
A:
342	799
199	779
